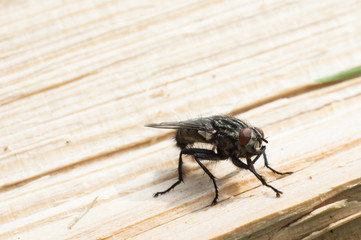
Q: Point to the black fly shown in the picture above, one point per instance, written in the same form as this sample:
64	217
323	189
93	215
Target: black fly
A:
232	138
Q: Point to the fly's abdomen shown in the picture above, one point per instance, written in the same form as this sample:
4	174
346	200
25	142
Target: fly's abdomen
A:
186	137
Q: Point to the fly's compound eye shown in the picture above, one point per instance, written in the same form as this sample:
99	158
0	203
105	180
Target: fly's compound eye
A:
260	131
245	136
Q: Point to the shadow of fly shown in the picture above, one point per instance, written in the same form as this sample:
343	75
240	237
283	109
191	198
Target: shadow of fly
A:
231	139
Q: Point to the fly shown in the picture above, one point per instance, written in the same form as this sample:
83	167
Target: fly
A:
232	139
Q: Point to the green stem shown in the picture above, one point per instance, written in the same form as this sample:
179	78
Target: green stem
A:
354	72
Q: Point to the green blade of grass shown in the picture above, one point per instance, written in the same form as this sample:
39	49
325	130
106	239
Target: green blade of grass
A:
351	73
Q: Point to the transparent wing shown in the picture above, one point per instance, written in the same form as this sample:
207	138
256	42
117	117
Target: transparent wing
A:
203	124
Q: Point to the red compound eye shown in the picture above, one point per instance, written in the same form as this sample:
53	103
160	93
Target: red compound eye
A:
245	136
260	131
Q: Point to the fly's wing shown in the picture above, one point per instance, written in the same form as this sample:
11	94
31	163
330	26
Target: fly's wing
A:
202	124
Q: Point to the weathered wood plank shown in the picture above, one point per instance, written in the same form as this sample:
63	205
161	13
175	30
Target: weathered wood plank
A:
90	92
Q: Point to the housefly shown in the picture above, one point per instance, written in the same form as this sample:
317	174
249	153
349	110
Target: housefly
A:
230	137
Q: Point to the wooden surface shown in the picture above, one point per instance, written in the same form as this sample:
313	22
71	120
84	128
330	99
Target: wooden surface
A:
79	79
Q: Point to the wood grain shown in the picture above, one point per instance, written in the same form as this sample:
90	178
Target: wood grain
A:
80	79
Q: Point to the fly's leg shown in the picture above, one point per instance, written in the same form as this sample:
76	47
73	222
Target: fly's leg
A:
267	165
198	155
263	152
180	177
263	149
208	155
250	167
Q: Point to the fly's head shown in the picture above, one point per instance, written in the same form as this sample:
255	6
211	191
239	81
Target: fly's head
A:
252	138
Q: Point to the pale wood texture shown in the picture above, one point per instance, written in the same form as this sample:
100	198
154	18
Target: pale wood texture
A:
79	79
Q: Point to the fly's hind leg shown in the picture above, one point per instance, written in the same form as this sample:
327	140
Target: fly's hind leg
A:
180	177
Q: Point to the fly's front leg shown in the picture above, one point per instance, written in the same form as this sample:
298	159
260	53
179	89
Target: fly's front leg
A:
250	167
263	152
